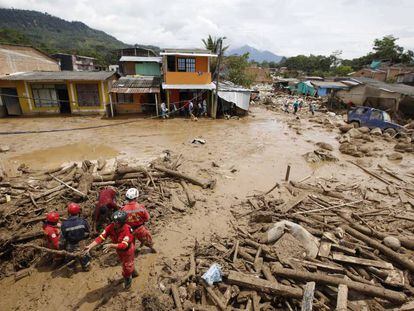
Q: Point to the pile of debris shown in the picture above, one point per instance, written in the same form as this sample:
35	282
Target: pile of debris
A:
24	200
315	246
364	142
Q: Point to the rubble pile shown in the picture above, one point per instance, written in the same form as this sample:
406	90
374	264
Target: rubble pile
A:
24	200
365	142
320	245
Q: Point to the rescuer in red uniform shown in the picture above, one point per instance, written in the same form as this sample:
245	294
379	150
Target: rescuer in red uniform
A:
123	241
51	229
137	217
104	208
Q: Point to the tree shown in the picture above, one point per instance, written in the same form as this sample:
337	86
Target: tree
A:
342	70
236	69
211	43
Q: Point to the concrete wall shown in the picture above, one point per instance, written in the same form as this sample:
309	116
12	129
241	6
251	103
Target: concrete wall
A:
28	107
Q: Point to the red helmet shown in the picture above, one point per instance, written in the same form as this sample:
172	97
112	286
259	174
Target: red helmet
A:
52	217
73	208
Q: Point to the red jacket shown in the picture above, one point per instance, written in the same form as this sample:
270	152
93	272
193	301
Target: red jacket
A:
52	236
106	198
137	214
123	236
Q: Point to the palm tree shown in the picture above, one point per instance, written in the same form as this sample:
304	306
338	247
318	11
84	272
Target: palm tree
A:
212	43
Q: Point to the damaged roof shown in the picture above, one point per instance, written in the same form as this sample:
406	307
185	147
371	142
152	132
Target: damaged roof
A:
137	85
329	84
389	87
59	76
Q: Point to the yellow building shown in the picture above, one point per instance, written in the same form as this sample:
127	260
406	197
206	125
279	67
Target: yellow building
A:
187	76
59	92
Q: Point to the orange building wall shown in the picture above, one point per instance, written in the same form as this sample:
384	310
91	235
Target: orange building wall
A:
202	64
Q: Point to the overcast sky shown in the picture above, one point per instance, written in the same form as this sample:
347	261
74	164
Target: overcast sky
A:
284	27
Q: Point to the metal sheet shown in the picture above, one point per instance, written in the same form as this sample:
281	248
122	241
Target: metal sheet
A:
240	99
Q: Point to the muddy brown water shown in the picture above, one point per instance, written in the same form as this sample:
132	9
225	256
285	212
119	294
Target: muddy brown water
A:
252	155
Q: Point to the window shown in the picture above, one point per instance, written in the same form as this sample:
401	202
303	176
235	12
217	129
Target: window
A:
125	98
171	63
376	115
186	64
88	94
44	95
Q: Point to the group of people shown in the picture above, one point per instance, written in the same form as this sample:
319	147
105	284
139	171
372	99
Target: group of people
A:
123	225
189	109
298	105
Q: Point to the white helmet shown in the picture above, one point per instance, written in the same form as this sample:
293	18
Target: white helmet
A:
132	193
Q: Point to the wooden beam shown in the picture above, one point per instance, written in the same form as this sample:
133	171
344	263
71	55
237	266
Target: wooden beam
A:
260	285
342	300
307	300
362	261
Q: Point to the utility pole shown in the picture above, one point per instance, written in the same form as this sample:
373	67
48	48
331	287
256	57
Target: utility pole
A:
215	106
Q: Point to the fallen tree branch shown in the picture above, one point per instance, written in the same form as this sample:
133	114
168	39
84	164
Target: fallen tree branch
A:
52	251
177	174
83	195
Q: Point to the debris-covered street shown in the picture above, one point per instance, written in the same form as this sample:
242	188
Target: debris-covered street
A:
331	223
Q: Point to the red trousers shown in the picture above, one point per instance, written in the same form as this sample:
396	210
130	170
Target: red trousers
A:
127	260
143	235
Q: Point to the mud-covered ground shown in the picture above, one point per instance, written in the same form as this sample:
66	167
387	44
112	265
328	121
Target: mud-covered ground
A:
245	156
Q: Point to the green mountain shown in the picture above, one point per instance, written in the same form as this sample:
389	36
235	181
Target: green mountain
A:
55	35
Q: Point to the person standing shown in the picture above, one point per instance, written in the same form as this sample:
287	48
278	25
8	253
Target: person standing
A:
204	113
295	106
123	242
137	217
312	107
105	207
74	230
191	109
164	112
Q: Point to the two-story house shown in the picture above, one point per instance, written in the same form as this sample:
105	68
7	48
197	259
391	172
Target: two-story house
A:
187	76
138	90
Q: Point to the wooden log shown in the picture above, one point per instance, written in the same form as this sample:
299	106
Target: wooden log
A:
52	251
256	302
362	261
179	175
324	249
86	180
83	195
287	173
406	242
308	294
190	197
236	250
342	299
191	272
369	290
216	299
22	274
245	255
268	274
388	252
260	285
176	297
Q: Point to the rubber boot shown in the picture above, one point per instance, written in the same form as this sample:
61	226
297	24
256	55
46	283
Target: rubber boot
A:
134	273
127	282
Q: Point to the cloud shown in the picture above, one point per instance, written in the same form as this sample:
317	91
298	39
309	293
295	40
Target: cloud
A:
285	27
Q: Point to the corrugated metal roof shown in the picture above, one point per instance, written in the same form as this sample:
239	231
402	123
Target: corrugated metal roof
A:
329	84
60	76
210	86
227	86
390	87
138	82
140	59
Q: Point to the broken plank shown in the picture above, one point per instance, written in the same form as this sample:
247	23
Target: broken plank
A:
176	297
236	250
362	261
307	300
252	282
323	266
342	299
292	203
324	249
